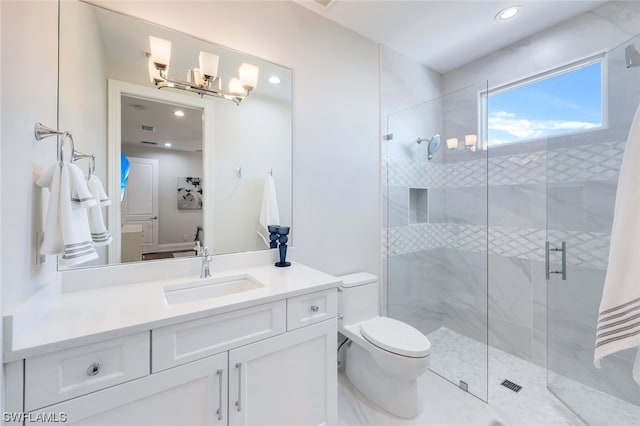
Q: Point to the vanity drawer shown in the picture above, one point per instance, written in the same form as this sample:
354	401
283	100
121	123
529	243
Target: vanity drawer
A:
188	341
311	308
66	374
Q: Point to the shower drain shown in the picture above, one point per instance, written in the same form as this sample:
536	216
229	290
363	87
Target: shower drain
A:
511	386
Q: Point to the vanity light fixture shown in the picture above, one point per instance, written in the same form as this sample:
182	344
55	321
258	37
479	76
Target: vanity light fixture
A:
203	80
471	142
452	143
178	113
508	13
274	79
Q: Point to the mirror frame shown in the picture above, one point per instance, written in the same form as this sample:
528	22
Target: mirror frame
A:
116	89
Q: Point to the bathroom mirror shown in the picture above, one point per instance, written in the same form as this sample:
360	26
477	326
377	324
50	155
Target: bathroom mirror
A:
196	165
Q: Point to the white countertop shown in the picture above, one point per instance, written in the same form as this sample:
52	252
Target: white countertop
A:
47	322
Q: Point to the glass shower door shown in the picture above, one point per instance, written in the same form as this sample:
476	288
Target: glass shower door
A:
436	243
582	177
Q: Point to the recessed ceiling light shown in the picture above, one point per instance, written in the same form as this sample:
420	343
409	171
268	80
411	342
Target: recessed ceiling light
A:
274	79
508	13
168	144
178	113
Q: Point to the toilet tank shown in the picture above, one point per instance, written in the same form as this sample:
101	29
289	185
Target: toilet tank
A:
358	297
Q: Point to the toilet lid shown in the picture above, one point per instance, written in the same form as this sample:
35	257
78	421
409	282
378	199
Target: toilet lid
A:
396	336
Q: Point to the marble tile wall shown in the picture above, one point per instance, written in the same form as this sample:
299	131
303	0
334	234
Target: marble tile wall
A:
504	261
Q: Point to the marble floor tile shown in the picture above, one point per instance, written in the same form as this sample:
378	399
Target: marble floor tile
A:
444	404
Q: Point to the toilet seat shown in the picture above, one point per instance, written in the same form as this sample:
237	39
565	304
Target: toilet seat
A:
396	337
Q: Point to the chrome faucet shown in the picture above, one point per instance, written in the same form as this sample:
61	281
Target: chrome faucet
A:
206	258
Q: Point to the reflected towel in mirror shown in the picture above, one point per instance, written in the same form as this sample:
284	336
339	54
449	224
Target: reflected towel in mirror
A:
269	212
99	233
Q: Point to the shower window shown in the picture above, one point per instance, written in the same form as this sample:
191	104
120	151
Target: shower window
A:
564	100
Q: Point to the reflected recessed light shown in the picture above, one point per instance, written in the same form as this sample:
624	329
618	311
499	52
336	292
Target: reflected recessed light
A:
178	113
168	144
274	79
508	13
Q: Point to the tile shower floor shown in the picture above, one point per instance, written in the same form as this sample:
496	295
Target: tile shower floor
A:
445	404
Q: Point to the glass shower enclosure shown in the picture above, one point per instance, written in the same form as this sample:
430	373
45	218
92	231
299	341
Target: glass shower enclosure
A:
472	232
437	238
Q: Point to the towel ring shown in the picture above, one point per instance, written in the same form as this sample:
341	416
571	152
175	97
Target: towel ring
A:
66	135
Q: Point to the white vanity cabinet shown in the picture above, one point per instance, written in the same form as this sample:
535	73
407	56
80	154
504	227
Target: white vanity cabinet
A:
193	394
286	380
243	367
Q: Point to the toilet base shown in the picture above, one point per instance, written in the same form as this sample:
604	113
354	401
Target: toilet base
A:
395	394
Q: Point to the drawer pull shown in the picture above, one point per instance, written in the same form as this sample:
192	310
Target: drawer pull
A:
239	400
219	410
93	369
315	308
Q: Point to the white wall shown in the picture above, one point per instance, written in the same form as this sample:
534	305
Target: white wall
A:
173	224
336	202
257	137
29	54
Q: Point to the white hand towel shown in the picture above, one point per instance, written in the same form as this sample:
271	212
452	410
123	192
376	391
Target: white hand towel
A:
99	232
619	319
52	242
100	194
269	212
80	194
66	228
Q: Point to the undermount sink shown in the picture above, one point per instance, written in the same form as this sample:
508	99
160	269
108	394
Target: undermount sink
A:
208	288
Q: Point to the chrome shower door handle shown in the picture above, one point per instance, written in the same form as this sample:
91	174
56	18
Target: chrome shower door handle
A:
219	410
239	400
564	260
547	262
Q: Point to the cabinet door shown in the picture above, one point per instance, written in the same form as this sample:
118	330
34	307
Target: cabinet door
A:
289	379
185	395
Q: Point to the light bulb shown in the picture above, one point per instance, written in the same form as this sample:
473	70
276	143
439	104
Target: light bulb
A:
235	87
160	51
208	65
249	76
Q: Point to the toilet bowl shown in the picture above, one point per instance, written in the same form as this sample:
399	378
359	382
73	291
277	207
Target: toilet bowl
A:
385	356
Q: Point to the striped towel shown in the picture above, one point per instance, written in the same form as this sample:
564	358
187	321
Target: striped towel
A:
619	319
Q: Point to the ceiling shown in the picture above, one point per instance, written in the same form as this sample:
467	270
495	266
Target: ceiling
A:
446	34
183	133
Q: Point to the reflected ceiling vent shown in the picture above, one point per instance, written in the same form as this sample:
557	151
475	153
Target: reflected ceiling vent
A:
147	128
323	3
149	143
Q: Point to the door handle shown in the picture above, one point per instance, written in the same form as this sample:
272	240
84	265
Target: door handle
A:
154	218
239	400
563	270
219	410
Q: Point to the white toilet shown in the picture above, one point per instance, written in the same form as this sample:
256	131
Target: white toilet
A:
385	356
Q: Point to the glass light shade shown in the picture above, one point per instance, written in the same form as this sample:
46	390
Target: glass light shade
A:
208	64
160	51
154	74
249	75
452	143
235	87
470	140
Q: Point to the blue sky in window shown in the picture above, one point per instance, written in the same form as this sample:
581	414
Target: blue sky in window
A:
564	103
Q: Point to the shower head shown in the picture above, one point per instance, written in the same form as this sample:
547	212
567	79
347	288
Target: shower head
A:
433	145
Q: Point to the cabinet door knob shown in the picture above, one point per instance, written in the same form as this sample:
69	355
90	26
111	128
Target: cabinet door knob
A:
93	369
315	308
